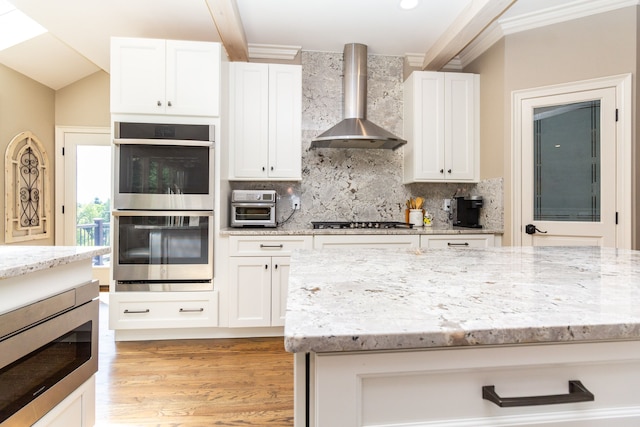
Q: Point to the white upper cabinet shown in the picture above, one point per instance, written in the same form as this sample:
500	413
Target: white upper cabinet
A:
441	126
265	122
154	76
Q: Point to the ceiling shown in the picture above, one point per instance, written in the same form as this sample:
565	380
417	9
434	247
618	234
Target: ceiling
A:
77	42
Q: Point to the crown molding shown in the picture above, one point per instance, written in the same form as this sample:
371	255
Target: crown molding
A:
557	14
271	51
529	21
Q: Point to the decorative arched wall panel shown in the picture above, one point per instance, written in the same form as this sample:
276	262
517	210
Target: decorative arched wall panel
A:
27	196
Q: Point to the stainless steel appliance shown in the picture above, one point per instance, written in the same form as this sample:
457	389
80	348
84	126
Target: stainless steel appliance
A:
163	166
163	250
380	225
466	211
355	131
47	350
253	208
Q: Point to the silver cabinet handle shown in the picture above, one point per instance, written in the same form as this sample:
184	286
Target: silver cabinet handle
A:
457	244
137	311
263	246
577	393
191	310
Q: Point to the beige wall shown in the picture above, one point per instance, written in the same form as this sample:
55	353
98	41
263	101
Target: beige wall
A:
85	102
28	105
585	48
25	105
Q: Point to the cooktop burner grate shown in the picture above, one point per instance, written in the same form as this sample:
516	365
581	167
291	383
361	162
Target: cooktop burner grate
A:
359	224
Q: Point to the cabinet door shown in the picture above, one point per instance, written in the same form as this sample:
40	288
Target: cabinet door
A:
461	126
250	291
249	120
279	288
285	121
137	75
193	78
429	126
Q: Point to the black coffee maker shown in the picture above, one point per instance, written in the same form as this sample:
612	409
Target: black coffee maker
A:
467	211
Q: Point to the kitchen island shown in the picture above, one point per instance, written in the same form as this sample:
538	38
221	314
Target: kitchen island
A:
48	335
417	337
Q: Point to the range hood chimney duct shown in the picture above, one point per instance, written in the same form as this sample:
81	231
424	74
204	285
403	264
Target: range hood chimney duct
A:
355	131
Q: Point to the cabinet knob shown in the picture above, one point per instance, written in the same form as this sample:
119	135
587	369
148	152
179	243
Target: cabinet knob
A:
169	103
271	167
449	171
263	169
159	104
276	266
266	267
441	170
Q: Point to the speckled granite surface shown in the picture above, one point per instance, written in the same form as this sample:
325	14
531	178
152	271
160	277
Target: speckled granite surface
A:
311	232
20	260
378	299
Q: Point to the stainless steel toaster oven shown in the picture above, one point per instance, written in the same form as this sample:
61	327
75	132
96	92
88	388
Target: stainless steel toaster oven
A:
253	208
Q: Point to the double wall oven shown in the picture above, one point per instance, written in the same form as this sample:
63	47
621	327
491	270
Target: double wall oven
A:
163	206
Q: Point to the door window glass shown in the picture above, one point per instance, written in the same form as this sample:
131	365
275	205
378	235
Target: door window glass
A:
567	162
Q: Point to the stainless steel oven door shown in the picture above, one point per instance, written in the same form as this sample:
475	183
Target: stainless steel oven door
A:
248	214
41	364
158	174
163	247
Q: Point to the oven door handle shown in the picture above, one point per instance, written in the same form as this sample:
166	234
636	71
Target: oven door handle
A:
161	213
180	142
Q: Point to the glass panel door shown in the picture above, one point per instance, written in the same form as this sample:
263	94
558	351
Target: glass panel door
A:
567	162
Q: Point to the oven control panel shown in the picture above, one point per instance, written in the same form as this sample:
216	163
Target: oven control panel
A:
266	196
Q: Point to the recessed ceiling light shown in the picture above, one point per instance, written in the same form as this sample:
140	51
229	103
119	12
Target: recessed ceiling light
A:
408	4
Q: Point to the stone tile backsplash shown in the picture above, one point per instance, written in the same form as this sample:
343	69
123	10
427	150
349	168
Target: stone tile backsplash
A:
352	184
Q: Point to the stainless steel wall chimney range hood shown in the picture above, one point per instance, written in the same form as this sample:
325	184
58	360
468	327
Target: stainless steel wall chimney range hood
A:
355	131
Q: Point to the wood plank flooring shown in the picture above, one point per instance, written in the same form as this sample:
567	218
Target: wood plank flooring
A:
192	383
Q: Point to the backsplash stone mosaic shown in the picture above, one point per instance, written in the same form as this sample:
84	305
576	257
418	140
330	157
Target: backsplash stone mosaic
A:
353	184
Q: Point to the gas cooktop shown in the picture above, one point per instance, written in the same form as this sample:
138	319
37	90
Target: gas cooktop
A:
359	224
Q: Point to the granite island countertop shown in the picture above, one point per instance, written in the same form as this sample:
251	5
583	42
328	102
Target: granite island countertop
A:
21	260
390	299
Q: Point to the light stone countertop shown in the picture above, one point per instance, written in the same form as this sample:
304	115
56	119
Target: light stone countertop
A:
21	260
381	299
313	232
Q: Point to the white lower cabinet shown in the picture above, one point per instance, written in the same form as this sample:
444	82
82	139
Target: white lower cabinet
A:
163	310
259	278
460	241
76	410
444	387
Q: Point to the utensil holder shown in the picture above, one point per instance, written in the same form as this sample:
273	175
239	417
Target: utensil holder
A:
416	217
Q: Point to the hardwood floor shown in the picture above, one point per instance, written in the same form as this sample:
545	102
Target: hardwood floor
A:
226	382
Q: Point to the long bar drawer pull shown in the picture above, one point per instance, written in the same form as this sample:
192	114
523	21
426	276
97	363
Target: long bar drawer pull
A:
577	393
280	246
191	310
136	311
457	244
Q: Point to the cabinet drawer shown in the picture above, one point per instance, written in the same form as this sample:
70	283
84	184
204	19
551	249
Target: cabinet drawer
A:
444	387
138	310
366	241
267	245
457	241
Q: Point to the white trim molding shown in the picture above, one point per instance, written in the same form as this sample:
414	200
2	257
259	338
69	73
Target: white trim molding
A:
271	51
